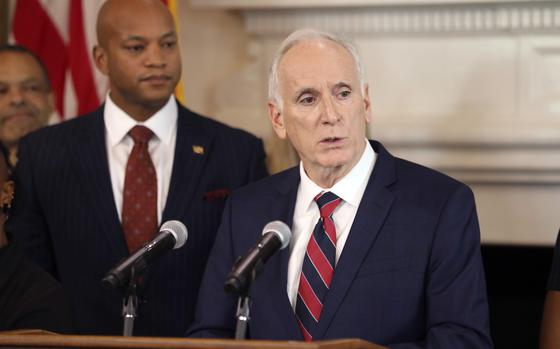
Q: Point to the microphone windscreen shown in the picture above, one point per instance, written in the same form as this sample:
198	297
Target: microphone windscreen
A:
178	230
281	230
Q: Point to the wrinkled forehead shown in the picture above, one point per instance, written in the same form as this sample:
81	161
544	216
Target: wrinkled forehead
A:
318	61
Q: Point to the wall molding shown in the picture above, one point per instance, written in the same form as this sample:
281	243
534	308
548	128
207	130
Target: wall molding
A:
512	164
415	19
275	4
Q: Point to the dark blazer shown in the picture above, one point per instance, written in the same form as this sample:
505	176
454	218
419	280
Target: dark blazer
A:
29	297
410	274
65	216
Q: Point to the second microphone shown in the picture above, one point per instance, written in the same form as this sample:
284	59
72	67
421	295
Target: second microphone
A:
276	236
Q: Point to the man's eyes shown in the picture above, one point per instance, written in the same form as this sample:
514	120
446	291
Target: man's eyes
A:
169	44
307	100
345	93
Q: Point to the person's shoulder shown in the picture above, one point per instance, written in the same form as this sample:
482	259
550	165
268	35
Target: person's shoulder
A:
213	127
417	178
78	126
29	278
43	300
270	185
423	174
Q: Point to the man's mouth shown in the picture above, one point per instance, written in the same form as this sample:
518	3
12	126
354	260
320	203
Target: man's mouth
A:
17	115
156	79
331	140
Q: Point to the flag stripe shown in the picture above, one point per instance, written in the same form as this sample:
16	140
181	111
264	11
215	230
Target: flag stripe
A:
80	68
33	28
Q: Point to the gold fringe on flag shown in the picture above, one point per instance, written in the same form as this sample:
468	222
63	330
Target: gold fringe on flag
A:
179	90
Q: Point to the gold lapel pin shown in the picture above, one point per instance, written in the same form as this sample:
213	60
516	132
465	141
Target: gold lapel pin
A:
197	149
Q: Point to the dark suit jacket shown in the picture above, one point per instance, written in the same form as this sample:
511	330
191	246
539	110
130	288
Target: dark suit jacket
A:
65	216
29	297
410	274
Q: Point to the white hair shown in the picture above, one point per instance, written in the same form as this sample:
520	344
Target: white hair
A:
307	35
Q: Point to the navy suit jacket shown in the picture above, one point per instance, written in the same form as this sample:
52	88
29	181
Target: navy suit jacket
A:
410	274
65	216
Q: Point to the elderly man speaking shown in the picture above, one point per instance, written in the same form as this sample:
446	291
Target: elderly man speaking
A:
383	249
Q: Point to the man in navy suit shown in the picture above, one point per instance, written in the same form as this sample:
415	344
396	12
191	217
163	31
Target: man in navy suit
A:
382	249
72	182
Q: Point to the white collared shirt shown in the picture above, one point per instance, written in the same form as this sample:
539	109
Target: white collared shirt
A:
161	147
306	213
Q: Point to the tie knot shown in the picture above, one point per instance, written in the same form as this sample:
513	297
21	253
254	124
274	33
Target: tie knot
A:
140	134
327	202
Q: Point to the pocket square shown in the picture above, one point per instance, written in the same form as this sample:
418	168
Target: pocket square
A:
216	194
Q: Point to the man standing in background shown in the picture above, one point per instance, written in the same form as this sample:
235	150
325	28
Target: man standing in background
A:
26	97
92	190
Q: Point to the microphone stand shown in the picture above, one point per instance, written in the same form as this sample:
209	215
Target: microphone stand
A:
244	304
130	304
276	235
243	317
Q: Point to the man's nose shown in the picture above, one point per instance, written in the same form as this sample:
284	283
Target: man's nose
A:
155	57
16	96
329	113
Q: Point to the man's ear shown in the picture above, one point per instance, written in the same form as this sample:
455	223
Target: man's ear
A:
367	103
277	119
100	59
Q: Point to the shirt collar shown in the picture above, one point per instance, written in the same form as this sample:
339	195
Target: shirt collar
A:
118	122
348	187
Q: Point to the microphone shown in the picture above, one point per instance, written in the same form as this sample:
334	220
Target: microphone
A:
172	235
276	236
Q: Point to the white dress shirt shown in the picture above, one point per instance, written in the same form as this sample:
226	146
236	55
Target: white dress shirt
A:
161	147
306	213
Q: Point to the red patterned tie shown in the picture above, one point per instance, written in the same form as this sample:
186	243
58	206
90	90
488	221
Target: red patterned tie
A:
139	210
318	267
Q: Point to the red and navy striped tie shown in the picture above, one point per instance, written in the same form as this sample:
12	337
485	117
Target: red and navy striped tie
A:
318	267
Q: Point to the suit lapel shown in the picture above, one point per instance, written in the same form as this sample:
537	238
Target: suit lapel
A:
191	151
374	207
89	152
283	209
